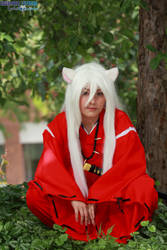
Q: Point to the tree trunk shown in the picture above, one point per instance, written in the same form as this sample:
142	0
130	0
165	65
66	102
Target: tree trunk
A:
152	90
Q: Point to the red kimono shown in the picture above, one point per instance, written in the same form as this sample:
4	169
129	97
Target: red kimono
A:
124	195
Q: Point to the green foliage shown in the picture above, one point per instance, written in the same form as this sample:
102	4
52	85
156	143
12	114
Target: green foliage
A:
14	28
21	230
34	46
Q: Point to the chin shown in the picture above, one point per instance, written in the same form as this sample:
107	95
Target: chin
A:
91	114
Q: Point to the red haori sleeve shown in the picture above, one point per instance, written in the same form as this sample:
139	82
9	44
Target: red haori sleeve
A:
52	175
128	163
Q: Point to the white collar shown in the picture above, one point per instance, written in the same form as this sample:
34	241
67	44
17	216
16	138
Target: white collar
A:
88	133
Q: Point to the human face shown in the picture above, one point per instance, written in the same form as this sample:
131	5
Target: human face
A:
94	107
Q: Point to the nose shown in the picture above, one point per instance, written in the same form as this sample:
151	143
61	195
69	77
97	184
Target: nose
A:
93	100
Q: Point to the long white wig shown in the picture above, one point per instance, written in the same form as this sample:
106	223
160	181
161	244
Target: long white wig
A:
94	76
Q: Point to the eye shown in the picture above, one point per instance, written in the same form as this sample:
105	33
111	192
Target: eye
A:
85	92
99	93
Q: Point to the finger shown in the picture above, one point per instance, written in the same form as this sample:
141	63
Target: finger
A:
88	220
76	214
85	215
92	214
81	215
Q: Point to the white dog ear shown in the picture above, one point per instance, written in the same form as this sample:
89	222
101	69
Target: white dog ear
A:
112	73
68	74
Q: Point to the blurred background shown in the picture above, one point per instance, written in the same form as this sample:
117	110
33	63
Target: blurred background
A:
37	40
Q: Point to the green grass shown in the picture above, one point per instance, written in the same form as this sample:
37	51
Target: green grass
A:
19	229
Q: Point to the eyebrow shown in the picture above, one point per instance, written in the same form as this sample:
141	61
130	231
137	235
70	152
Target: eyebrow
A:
88	89
85	88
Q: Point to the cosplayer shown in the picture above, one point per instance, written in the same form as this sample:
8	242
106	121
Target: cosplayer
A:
92	172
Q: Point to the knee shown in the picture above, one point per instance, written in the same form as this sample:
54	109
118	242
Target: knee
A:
39	205
32	197
144	186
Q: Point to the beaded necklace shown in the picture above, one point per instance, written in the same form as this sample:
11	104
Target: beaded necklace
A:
95	140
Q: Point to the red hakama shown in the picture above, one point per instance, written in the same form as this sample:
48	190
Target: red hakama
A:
124	195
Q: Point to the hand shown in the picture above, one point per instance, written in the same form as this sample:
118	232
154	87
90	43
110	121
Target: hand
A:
91	213
80	208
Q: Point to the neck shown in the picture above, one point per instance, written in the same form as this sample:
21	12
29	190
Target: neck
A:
88	123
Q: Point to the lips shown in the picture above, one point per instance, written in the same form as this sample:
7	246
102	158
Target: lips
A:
91	108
